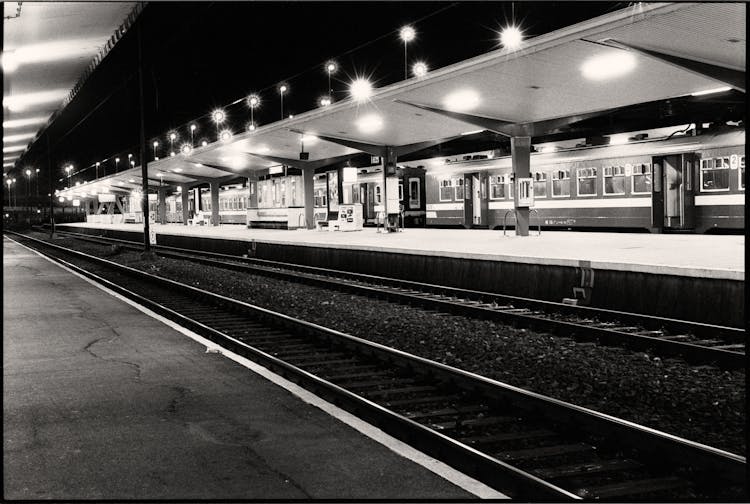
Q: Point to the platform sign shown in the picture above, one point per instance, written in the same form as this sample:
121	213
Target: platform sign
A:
734	161
152	236
628	169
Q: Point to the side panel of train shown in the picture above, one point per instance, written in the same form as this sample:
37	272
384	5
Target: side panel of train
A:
662	187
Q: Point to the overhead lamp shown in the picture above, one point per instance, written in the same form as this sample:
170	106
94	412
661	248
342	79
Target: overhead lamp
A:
20	102
20	136
250	126
225	135
172	154
14	148
218	116
204	143
324	101
711	91
360	89
172	136
9	61
186	149
132	163
20	123
28	172
608	65
419	69
253	101
61	199
511	37
459	101
370	123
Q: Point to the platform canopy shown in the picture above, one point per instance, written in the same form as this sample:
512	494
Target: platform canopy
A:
47	49
646	52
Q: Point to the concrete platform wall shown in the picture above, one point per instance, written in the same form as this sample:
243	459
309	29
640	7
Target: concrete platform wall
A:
706	300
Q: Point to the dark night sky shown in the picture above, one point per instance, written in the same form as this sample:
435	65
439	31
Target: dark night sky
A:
201	55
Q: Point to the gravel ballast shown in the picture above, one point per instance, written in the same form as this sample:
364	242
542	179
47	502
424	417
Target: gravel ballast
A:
700	403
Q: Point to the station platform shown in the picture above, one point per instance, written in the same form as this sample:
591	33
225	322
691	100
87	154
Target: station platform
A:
102	401
695	277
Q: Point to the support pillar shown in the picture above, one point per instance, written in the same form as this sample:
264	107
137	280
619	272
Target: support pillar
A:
162	192
390	189
308	195
197	199
215	187
520	151
185	194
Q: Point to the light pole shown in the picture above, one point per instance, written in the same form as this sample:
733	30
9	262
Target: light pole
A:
192	132
155	144
407	34
330	68
252	101
172	137
218	116
117	161
282	90
68	169
37	182
10	201
15	196
28	182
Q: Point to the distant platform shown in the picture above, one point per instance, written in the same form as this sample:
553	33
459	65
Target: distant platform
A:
702	256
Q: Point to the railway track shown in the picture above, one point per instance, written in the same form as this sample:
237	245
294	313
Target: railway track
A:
695	342
521	443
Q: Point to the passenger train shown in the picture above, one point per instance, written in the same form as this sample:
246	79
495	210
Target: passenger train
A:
687	183
684	183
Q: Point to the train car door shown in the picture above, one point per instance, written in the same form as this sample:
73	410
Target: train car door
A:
674	186
468	200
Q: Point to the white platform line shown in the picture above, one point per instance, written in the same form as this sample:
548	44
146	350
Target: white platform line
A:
446	472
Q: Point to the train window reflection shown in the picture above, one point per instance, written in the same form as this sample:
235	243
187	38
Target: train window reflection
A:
641	178
540	184
614	180
498	186
446	190
459	185
560	183
586	181
715	174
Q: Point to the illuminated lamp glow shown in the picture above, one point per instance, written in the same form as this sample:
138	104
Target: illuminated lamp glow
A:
225	135
608	65
132	163
20	123
407	33
712	91
618	139
250	126
156	144
419	69
76	202
193	127
370	123
324	101
291	116
9	61
253	101
172	136
61	199
171	154
459	101
14	148
21	102
360	89
186	149
20	136
309	139
283	89
178	170
331	67
218	116
472	132
511	37
204	143
78	183
28	173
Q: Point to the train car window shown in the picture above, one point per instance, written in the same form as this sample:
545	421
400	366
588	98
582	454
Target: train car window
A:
560	183
614	180
498	186
540	184
458	185
414	193
741	172
715	174
446	190
586	181
641	179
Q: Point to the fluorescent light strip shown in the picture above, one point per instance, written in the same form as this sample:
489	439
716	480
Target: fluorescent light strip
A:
22	101
16	138
20	123
712	91
14	148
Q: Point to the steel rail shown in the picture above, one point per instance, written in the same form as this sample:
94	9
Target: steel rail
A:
719	464
482	304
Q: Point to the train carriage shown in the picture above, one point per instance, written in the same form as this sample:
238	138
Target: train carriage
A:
684	183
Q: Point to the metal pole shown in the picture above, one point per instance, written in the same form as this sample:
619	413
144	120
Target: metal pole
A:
144	163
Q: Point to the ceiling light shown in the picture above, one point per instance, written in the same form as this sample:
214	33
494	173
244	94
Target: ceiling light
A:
330	67
253	101
9	61
459	101
14	148
20	102
360	89
472	132
711	91
511	37
218	116
21	136
49	51
309	139
225	135
19	123
608	65
370	123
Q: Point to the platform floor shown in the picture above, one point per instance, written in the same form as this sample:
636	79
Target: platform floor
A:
704	256
102	401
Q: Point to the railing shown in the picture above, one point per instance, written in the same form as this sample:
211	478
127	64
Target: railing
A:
513	210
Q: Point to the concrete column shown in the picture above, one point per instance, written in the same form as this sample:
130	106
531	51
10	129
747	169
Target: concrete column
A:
185	205
215	187
162	191
520	151
197	199
308	195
